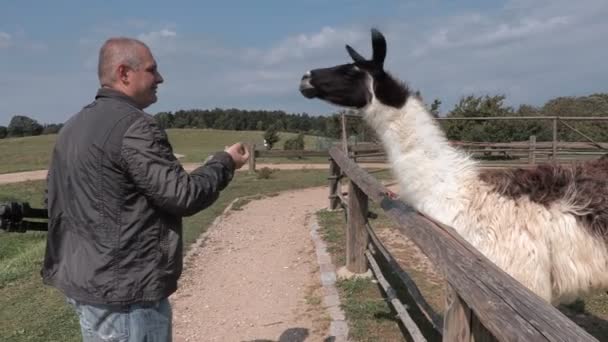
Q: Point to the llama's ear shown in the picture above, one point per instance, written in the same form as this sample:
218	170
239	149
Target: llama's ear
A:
379	47
354	55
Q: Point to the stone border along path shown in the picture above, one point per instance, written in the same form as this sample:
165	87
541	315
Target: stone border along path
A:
331	299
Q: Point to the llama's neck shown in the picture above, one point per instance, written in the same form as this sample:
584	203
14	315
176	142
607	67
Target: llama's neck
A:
433	176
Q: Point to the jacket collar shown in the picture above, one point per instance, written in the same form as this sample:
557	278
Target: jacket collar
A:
115	94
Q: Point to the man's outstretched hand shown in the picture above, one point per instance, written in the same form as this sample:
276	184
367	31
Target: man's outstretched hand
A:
239	154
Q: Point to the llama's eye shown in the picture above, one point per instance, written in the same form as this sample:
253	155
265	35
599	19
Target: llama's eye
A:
356	68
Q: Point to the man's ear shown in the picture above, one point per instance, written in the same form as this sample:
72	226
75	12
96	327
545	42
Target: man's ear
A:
123	73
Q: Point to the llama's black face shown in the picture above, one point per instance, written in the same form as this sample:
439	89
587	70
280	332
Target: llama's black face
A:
344	85
356	84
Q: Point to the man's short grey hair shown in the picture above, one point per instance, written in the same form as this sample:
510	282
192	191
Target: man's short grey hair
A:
114	52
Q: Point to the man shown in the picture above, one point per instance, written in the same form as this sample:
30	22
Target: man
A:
116	198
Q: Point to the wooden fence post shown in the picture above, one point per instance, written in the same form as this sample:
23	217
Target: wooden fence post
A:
356	231
334	182
251	148
532	155
554	157
344	135
460	323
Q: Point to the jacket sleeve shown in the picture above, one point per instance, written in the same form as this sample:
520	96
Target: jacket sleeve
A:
148	159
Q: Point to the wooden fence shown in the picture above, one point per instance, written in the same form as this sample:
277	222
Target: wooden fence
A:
490	155
508	154
254	154
519	154
483	302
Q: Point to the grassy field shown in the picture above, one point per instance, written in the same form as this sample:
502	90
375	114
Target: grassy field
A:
33	312
33	153
25	154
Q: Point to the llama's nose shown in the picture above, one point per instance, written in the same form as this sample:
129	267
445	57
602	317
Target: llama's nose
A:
306	88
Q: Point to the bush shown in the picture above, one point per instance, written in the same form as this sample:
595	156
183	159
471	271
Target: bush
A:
271	137
265	173
296	143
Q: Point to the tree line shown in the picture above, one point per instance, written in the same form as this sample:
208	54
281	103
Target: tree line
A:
519	130
330	125
23	126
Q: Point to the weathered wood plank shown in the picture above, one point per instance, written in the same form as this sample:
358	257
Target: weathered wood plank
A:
532	153
457	318
356	232
251	150
369	184
405	317
334	182
461	324
433	317
290	153
507	309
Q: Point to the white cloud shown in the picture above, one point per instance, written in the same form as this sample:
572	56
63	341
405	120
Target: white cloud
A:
478	32
302	45
155	38
5	40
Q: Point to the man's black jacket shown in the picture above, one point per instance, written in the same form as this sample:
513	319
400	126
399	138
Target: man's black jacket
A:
116	198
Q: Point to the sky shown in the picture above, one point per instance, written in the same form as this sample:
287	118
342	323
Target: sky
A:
252	54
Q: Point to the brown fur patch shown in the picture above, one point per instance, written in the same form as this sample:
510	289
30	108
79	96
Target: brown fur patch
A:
547	183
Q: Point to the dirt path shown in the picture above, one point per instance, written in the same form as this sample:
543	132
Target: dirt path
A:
255	277
41	174
22	176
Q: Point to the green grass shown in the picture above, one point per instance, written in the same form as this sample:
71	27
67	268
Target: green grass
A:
369	316
195	144
332	232
591	313
30	311
25	154
198	144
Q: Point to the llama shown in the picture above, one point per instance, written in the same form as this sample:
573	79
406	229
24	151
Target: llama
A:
546	227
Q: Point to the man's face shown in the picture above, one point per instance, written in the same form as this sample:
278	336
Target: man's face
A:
144	81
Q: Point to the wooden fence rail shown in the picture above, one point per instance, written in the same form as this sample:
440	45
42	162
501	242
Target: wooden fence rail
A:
513	154
484	303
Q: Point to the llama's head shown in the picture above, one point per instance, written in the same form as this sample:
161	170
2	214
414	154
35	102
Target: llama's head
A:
356	85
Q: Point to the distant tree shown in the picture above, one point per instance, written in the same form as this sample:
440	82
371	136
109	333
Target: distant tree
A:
271	137
435	107
259	126
181	119
333	126
164	119
3	132
21	126
295	143
591	105
480	106
51	128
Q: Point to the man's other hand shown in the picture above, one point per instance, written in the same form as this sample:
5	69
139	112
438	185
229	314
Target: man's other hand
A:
239	154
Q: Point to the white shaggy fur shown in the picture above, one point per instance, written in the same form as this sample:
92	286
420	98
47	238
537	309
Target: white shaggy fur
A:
543	248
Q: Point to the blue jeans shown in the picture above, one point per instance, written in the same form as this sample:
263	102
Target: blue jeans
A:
142	322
